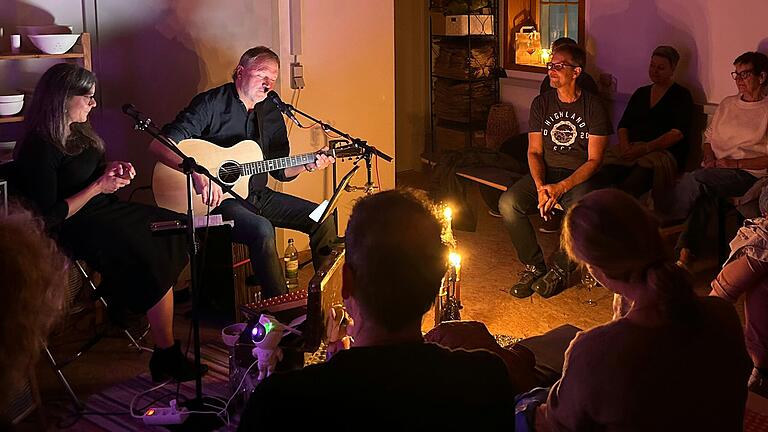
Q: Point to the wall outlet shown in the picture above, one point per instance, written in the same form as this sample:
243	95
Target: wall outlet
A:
297	76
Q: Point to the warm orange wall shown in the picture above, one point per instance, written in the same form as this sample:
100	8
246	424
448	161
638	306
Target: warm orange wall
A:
348	58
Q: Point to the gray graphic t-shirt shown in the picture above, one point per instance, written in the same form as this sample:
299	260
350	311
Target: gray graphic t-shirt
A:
566	127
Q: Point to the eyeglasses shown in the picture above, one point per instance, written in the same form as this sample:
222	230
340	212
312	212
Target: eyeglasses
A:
742	75
89	96
559	66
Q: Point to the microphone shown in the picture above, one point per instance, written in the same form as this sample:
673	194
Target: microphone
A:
137	115
283	107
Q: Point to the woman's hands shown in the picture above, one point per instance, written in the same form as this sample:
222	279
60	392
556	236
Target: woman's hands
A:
116	175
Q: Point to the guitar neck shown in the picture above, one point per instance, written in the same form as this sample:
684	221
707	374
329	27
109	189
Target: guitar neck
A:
260	167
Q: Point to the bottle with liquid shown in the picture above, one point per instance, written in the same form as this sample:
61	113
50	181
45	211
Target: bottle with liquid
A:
291	261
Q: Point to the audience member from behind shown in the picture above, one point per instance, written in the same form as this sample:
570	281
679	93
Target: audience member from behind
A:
33	274
653	130
735	155
390	378
746	272
674	362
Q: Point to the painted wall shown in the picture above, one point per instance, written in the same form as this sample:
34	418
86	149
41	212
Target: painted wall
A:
349	68
621	34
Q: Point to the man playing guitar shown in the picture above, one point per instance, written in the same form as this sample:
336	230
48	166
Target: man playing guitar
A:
238	111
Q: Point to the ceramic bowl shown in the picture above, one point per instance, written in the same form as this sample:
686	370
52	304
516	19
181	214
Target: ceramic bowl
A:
10	108
11	97
54	44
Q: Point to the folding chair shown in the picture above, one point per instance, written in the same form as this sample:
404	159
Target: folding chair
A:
78	278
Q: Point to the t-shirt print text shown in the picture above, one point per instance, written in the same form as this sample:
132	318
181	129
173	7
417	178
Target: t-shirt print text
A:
564	128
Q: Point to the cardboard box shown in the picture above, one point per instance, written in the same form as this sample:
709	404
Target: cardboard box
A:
461	25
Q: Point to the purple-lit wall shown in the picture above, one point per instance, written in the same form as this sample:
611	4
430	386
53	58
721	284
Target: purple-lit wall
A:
622	33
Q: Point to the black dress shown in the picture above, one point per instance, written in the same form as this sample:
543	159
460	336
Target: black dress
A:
113	237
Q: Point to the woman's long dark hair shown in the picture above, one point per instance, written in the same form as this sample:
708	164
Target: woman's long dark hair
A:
47	117
608	229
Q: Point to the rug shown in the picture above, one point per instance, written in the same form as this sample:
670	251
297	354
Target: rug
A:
109	409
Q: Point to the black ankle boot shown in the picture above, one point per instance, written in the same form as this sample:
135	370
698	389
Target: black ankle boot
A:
171	363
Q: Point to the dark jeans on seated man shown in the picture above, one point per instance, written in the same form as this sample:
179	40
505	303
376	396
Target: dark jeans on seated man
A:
520	201
696	196
257	231
634	180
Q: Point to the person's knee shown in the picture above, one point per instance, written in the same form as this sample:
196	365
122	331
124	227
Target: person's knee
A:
510	204
252	228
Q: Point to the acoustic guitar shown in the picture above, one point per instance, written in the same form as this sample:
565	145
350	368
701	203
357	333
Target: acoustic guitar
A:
170	185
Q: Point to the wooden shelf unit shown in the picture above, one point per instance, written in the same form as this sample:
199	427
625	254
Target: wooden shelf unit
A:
81	50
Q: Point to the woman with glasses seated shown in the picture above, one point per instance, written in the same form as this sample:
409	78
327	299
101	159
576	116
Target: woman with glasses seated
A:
735	155
61	170
653	130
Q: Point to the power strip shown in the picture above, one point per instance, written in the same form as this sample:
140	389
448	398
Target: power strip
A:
165	416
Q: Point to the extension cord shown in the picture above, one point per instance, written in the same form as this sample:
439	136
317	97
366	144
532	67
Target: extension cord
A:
165	416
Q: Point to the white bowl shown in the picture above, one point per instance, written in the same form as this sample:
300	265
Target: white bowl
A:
10	108
15	97
54	44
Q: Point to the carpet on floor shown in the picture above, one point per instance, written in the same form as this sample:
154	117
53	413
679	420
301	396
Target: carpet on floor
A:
116	400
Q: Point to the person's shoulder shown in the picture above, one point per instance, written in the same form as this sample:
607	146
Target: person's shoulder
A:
224	90
717	309
729	101
643	90
545	98
34	144
479	359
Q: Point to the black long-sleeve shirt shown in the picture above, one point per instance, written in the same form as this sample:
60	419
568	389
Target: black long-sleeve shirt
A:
220	117
673	111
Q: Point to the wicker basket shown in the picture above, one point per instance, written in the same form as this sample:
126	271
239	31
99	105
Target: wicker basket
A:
502	125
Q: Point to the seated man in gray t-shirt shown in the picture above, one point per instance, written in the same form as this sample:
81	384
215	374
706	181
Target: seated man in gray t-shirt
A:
569	131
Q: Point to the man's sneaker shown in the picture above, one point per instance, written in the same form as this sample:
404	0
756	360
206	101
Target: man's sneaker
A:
551	283
758	383
528	276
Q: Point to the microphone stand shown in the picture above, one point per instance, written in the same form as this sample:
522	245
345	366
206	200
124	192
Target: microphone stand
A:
189	166
368	150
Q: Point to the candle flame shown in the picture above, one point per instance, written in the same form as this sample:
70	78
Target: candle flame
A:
455	259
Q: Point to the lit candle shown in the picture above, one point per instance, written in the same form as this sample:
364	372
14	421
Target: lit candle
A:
455	260
546	55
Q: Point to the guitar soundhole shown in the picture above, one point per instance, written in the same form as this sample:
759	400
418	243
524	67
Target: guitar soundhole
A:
229	172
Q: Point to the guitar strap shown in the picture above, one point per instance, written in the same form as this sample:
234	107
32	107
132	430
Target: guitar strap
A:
259	108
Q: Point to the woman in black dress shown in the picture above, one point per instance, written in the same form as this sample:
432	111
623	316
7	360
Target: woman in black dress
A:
61	170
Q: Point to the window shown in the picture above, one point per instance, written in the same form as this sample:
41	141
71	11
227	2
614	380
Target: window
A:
532	26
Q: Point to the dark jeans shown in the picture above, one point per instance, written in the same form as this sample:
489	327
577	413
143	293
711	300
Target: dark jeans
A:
634	180
257	231
521	200
700	191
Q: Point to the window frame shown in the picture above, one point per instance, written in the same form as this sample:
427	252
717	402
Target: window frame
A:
508	48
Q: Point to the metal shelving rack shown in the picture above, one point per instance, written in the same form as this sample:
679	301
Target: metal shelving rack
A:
467	125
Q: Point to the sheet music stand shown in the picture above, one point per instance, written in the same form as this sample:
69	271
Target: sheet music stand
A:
334	200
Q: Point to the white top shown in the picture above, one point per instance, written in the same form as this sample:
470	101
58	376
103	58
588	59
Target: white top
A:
739	130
